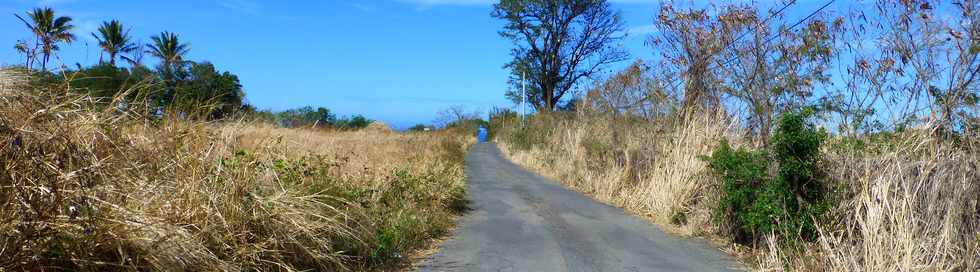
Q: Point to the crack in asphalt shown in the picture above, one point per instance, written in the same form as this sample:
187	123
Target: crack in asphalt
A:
523	222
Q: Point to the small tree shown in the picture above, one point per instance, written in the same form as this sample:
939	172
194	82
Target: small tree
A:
632	91
454	115
690	41
29	52
909	62
217	94
325	117
49	31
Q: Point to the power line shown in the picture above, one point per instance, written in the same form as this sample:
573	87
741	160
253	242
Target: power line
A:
814	13
761	23
523	101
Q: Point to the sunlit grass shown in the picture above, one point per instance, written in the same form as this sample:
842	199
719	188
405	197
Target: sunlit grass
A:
91	188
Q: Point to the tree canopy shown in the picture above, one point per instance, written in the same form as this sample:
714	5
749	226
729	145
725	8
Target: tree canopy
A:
557	44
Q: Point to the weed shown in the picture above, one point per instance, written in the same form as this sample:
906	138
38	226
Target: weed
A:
679	218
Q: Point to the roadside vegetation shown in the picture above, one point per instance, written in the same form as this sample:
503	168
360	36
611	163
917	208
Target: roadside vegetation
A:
93	188
825	143
124	167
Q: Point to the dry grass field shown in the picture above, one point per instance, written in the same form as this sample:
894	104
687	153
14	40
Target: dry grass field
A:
94	188
909	203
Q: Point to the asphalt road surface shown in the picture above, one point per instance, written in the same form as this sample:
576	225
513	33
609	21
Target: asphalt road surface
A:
523	222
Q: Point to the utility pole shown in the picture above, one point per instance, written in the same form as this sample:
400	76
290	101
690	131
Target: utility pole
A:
523	101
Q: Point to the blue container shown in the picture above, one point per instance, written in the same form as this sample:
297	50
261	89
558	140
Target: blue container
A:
481	135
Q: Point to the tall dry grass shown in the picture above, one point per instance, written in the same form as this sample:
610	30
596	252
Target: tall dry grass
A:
650	168
92	188
911	207
906	204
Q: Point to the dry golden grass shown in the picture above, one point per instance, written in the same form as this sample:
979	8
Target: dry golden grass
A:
908	205
649	168
913	207
93	190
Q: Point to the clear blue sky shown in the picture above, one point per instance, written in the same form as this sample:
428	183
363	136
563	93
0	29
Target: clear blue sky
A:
398	61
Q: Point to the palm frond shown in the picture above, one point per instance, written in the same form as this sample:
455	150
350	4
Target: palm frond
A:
29	25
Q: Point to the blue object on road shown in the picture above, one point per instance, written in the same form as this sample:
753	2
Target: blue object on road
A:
481	135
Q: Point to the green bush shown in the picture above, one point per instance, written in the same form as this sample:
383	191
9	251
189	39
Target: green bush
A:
796	147
755	203
309	117
100	81
527	138
354	123
743	180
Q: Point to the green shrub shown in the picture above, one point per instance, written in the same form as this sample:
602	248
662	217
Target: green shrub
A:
354	123
755	203
678	217
743	178
100	81
796	147
527	138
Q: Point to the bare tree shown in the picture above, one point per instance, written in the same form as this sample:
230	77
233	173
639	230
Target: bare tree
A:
740	57
454	115
778	66
933	58
633	91
910	62
558	43
689	41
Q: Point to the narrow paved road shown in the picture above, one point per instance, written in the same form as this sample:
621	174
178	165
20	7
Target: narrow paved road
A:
523	222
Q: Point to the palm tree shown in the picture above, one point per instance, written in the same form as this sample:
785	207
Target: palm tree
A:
49	30
29	53
113	40
169	50
135	58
